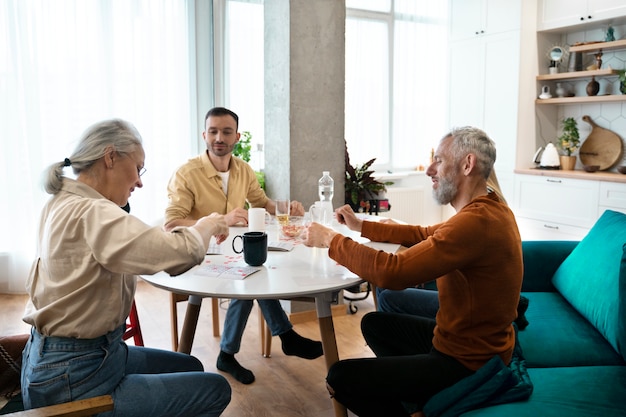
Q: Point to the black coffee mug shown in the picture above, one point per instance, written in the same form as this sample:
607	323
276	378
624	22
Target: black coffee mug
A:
254	247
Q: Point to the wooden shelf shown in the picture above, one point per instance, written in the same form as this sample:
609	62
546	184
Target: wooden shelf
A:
604	46
583	99
578	74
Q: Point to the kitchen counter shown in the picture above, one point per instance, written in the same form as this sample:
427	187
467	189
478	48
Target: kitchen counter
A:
576	174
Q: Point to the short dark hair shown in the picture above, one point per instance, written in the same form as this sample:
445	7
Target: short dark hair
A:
222	111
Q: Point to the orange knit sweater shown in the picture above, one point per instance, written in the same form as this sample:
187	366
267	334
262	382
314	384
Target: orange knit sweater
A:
476	257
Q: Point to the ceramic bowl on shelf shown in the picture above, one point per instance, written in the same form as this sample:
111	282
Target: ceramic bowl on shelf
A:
591	168
621	169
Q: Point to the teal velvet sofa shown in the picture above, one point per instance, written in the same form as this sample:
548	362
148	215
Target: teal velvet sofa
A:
575	342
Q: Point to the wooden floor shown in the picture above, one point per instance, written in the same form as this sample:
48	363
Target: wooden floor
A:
285	386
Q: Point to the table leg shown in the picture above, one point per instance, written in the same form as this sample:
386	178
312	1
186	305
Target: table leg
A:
329	342
189	325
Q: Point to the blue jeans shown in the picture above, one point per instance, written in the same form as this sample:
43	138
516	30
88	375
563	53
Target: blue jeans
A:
237	317
415	301
142	381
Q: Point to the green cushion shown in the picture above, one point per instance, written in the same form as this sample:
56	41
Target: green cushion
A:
568	392
589	278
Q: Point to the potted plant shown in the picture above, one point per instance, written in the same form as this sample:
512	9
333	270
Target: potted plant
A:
569	142
622	81
360	186
242	150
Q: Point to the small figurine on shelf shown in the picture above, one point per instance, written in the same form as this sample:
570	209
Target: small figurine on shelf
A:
610	36
599	60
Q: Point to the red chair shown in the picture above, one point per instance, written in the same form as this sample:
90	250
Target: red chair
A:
133	329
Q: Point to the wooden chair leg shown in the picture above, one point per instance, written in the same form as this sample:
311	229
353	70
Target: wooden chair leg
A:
215	311
177	298
266	336
374	296
174	320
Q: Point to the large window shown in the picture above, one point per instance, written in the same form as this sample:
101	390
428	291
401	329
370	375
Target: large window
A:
67	64
396	60
239	57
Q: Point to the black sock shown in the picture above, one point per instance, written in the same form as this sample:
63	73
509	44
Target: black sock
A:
227	363
296	345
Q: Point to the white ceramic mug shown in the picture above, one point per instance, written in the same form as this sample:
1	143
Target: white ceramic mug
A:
257	218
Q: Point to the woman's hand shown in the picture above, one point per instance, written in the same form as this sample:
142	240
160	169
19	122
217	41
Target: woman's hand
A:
212	225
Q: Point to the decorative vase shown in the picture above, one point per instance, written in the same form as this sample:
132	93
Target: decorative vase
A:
593	87
567	162
560	91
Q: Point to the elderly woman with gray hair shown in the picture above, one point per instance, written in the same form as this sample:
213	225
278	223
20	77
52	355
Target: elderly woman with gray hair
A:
82	284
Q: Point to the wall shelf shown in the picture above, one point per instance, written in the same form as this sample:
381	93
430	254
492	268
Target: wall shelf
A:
599	46
577	74
584	99
592	47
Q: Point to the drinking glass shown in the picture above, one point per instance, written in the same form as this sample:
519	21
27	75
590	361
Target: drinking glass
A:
282	211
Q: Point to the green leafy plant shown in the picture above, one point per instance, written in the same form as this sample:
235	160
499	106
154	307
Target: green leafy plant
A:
569	141
360	186
243	148
621	74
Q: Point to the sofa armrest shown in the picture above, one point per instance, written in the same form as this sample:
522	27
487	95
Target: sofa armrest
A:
541	260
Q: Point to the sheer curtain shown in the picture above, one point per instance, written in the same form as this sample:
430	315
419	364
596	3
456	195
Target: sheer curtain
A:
396	72
67	64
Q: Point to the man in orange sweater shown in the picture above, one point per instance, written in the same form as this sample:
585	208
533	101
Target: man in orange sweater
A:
476	257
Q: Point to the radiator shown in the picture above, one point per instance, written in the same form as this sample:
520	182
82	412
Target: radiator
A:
406	204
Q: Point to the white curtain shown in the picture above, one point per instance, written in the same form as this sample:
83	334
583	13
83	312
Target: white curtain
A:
66	64
396	72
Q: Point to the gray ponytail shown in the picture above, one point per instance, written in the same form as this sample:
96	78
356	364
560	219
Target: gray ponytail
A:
119	134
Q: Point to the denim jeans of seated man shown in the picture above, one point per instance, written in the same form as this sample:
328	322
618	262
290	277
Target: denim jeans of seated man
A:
415	301
237	317
142	381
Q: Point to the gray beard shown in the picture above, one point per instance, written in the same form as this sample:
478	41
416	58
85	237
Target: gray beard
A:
446	191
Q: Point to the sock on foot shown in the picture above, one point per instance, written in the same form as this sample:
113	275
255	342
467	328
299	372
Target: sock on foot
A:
227	363
295	345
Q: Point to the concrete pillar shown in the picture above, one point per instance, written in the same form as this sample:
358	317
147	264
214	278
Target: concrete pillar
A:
304	103
304	97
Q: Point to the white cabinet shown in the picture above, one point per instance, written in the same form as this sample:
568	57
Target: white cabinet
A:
554	207
612	197
484	74
555	14
471	18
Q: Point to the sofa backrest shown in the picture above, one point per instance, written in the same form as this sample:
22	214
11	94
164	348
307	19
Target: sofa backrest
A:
593	278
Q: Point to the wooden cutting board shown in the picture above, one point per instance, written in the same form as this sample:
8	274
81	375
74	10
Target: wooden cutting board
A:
602	147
